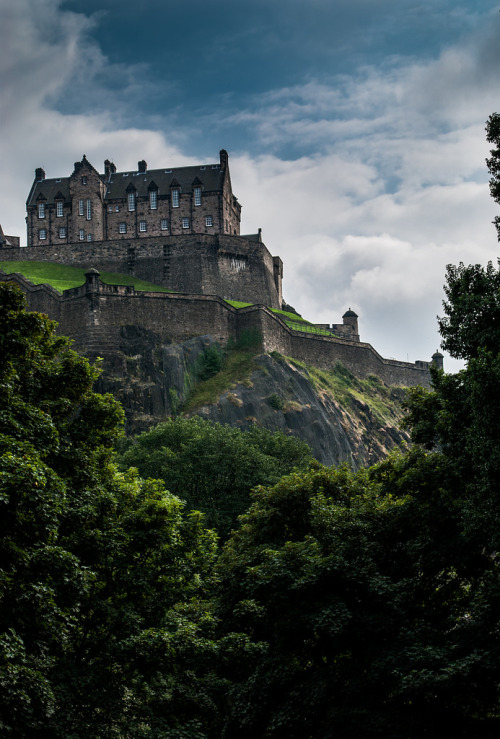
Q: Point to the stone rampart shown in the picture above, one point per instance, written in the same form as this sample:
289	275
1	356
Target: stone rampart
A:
234	267
96	314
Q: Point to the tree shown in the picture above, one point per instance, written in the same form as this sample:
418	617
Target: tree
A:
493	163
349	586
214	467
104	628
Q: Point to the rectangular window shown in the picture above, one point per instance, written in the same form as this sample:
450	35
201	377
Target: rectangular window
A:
41	210
84	180
197	195
117	208
62	232
80	207
89	237
153	199
175	198
185	223
42	234
110	208
89	210
142	226
209	221
59	209
164	224
122	228
81	234
131	201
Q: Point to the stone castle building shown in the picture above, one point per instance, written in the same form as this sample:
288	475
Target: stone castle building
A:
178	228
88	206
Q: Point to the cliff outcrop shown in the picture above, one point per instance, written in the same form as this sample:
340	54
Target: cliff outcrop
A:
342	418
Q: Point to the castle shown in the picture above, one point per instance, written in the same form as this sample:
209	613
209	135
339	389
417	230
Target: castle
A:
178	228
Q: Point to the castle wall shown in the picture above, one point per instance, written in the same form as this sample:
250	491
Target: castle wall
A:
95	314
230	266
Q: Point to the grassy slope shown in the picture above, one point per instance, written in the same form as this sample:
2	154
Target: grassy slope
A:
62	277
344	387
340	384
237	367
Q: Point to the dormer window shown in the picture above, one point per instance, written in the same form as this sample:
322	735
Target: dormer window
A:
41	210
175	198
84	180
59	209
197	195
131	201
153	199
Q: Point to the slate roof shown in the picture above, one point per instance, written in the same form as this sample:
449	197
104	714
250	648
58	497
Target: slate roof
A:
210	176
49	189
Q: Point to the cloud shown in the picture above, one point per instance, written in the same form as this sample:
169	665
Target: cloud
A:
48	53
386	186
397	190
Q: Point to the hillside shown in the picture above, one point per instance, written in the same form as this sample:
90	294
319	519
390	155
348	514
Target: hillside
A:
344	419
341	417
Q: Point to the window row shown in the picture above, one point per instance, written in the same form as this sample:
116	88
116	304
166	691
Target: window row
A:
62	233
153	199
85	207
164	226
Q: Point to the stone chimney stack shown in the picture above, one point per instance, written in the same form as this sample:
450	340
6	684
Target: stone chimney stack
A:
142	166
109	169
224	159
39	174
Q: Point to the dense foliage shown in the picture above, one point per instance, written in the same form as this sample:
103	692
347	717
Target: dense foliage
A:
214	467
101	573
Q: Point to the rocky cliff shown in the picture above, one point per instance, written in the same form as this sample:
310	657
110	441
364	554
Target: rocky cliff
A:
341	417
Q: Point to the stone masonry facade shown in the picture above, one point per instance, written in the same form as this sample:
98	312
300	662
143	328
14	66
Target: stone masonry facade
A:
95	316
88	206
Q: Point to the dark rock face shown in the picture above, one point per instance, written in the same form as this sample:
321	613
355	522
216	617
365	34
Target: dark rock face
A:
149	379
152	381
335	434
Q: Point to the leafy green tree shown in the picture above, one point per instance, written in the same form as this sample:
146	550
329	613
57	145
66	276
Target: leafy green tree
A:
493	137
366	607
104	625
213	467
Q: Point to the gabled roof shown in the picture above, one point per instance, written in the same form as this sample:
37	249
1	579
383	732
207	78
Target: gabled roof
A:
210	176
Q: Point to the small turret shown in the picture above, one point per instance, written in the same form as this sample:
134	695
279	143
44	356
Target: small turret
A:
350	318
438	360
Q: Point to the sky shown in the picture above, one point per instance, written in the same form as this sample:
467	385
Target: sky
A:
355	131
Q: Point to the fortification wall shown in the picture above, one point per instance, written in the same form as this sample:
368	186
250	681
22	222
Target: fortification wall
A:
233	267
95	315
